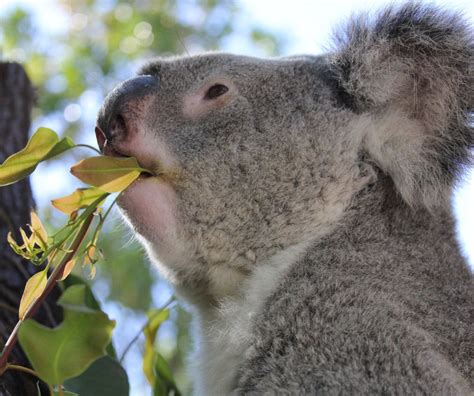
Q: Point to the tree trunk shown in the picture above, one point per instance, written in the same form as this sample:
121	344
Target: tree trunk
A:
16	202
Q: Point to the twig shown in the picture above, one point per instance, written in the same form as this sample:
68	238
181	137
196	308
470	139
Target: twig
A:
89	147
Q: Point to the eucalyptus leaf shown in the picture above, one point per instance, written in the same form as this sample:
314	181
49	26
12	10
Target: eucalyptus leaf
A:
69	349
43	144
60	147
79	199
110	174
164	381
104	377
34	288
155	319
90	301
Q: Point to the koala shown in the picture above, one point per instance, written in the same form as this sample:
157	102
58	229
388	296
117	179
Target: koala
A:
300	206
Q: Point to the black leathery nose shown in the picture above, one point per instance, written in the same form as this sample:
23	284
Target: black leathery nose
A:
116	102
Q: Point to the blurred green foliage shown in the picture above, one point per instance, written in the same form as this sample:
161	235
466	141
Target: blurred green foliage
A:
76	56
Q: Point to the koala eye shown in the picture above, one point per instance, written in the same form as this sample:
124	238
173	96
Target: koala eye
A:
215	91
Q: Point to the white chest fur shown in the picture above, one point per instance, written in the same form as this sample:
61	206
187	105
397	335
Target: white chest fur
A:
224	335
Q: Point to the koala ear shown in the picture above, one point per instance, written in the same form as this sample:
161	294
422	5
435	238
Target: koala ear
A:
408	74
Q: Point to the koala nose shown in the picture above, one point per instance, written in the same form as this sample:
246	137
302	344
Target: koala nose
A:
112	118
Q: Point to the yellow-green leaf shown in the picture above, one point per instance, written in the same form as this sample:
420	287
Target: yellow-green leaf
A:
20	250
164	381
33	289
40	236
80	198
27	242
110	174
42	145
60	147
156	318
12	242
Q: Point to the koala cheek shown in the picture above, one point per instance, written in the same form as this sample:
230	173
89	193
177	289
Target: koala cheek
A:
149	205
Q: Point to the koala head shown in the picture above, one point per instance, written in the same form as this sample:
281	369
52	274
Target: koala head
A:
253	156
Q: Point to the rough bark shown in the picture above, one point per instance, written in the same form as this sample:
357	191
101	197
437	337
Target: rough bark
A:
16	201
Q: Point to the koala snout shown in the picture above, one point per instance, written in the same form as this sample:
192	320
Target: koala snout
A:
121	106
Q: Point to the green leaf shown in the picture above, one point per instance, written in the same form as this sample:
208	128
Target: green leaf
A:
155	367
89	300
104	377
69	349
43	145
63	145
110	174
155	319
164	381
34	288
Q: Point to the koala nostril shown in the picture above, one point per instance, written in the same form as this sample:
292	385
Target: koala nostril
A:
117	128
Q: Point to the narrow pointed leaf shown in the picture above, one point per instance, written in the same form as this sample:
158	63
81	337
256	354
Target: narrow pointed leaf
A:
80	198
12	242
67	269
164	381
110	174
33	289
69	349
156	318
39	232
42	145
27	242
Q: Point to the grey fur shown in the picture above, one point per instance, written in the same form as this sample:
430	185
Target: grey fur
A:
307	217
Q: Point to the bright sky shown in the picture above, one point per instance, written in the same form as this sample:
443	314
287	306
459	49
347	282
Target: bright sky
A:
306	28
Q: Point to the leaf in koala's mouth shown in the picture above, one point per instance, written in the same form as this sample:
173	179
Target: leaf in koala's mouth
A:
110	174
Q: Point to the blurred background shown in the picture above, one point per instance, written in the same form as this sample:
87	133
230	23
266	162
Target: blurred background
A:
76	51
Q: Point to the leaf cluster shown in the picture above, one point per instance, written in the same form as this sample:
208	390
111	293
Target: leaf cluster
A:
69	350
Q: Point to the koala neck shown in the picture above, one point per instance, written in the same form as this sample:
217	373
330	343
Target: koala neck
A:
224	329
385	215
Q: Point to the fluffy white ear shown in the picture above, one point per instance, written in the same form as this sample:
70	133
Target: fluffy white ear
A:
409	73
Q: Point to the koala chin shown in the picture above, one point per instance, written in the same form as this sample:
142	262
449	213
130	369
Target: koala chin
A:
300	207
